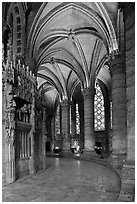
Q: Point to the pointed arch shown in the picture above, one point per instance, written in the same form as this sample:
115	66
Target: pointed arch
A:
81	7
17	11
110	27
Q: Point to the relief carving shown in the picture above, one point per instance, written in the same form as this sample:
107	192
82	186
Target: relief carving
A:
10	114
23	114
10	125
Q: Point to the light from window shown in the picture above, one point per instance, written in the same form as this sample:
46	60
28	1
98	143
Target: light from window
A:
77	120
99	110
111	114
70	114
57	122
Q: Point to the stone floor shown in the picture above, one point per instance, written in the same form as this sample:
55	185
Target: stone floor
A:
66	180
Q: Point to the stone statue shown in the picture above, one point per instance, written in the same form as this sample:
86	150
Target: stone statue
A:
10	125
24	113
29	112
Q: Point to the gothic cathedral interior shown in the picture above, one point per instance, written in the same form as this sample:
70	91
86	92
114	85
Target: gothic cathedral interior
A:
68	86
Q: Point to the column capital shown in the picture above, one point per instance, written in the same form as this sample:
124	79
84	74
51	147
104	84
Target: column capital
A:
113	54
116	58
116	64
65	103
71	103
88	92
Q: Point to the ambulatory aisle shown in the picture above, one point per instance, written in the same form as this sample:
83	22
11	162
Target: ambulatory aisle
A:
66	180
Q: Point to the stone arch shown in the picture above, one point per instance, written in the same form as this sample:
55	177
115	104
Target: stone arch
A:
17	10
57	85
110	27
57	35
82	8
70	61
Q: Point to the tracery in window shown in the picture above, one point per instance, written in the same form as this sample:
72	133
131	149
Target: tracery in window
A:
99	110
111	114
77	120
70	115
57	122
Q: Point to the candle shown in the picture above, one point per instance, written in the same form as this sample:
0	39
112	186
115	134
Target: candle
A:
11	63
28	69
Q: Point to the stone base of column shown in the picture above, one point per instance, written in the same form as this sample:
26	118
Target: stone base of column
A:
127	193
89	146
10	172
116	160
10	180
66	146
3	178
66	153
44	162
88	155
32	169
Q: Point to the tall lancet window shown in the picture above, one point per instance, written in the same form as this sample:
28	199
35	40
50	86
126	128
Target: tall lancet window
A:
57	120
70	115
77	120
99	110
111	114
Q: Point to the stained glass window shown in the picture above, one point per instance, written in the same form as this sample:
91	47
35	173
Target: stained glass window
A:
57	121
111	114
99	110
77	120
70	115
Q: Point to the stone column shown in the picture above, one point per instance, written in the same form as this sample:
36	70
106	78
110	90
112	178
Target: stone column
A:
52	133
44	138
10	146
89	139
130	80
9	133
3	132
107	123
31	133
65	125
57	127
119	138
127	193
81	112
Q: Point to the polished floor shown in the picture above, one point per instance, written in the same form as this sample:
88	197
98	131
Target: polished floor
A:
66	180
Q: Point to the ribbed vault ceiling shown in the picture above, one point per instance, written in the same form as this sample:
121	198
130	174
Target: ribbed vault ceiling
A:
70	43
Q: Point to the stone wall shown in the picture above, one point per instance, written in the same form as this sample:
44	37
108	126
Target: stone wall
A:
99	136
32	11
22	168
3	152
38	149
127	192
130	81
3	140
